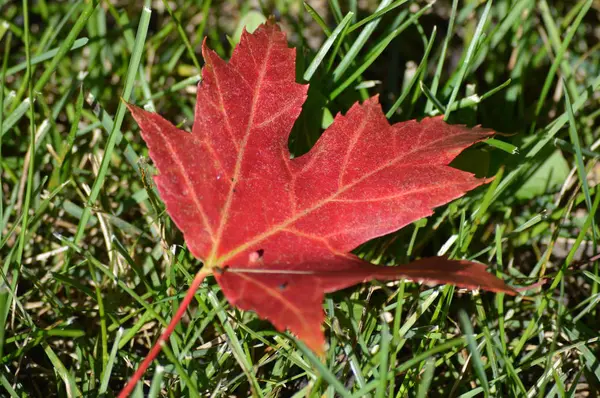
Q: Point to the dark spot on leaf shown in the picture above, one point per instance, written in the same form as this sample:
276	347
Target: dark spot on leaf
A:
220	270
260	252
283	286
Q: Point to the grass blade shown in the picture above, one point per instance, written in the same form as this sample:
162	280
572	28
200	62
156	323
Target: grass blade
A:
578	155
107	371
357	45
416	76
474	351
45	56
375	52
115	134
312	68
468	58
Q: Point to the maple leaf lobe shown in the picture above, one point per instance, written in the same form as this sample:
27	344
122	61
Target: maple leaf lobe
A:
277	231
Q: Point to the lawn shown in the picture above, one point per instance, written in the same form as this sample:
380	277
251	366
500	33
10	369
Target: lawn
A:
93	268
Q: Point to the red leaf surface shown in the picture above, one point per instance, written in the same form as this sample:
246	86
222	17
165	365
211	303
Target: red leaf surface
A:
277	231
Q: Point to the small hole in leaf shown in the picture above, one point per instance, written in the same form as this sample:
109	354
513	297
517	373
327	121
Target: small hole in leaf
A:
283	286
256	256
220	270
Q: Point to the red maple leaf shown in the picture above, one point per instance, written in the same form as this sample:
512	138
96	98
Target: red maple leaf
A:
276	232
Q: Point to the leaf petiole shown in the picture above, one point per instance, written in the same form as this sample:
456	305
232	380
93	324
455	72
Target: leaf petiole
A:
156	348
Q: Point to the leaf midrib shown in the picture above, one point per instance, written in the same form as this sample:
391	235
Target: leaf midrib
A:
238	165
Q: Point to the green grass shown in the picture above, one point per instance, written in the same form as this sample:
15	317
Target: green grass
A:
93	268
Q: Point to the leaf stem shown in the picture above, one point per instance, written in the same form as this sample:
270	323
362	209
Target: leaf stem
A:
156	348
